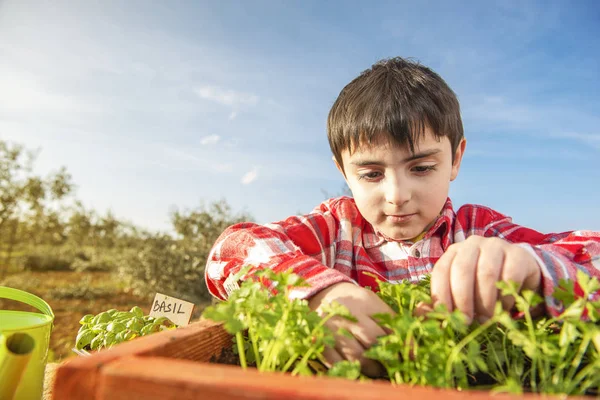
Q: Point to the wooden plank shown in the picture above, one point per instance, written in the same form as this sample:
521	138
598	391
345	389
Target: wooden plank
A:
196	342
199	341
172	365
162	378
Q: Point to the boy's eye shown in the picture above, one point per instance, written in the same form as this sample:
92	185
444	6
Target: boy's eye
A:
421	169
369	175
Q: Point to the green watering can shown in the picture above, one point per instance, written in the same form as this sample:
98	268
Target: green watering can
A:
24	342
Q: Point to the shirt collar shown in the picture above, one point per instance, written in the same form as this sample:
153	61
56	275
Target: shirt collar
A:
442	225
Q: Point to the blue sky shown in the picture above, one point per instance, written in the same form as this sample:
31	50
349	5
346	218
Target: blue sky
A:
152	105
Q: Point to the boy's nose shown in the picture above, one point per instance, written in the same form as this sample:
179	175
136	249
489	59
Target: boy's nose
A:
397	193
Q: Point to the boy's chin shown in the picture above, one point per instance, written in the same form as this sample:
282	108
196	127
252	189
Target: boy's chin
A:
397	235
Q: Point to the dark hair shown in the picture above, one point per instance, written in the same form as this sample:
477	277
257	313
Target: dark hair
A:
396	98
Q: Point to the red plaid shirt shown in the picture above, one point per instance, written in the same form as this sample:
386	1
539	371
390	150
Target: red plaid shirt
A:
335	244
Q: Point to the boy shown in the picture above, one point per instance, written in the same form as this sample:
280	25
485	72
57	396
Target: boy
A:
397	138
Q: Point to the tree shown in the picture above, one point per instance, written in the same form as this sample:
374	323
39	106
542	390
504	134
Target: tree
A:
80	225
343	191
205	223
25	195
106	231
175	266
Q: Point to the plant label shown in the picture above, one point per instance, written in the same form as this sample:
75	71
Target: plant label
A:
178	311
230	285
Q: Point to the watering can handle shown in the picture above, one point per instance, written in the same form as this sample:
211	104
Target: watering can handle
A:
27	298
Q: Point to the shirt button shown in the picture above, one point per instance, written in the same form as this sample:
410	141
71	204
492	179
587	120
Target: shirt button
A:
417	253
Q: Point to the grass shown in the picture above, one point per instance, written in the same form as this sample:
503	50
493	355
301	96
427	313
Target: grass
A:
71	295
14	254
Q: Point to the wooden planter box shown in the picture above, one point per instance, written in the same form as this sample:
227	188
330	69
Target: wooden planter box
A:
174	365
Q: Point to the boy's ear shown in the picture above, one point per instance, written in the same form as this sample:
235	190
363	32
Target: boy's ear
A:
458	155
338	166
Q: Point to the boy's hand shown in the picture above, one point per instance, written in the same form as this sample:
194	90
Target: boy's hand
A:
362	303
465	276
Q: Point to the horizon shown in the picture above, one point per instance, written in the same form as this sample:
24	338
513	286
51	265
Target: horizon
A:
155	106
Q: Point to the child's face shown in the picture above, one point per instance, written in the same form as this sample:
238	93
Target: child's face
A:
400	193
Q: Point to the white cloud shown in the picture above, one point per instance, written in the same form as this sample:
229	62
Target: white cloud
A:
225	96
232	116
212	139
250	176
173	153
21	92
232	142
512	115
525	153
223	167
587	138
489	100
497	109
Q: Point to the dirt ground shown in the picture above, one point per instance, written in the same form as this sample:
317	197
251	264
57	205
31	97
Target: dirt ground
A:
71	295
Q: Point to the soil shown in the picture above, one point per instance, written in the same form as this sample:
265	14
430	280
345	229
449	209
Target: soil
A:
227	357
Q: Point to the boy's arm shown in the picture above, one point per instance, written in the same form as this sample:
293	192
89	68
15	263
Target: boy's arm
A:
310	245
559	255
305	244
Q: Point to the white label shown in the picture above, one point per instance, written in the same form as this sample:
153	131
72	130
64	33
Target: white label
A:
230	284
178	311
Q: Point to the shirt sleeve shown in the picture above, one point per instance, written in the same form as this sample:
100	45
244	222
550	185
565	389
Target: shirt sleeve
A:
559	255
305	244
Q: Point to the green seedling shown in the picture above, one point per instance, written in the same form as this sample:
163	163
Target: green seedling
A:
512	352
112	327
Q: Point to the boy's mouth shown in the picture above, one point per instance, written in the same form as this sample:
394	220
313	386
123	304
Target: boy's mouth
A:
399	218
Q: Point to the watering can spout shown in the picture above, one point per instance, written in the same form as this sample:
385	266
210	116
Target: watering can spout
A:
15	353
